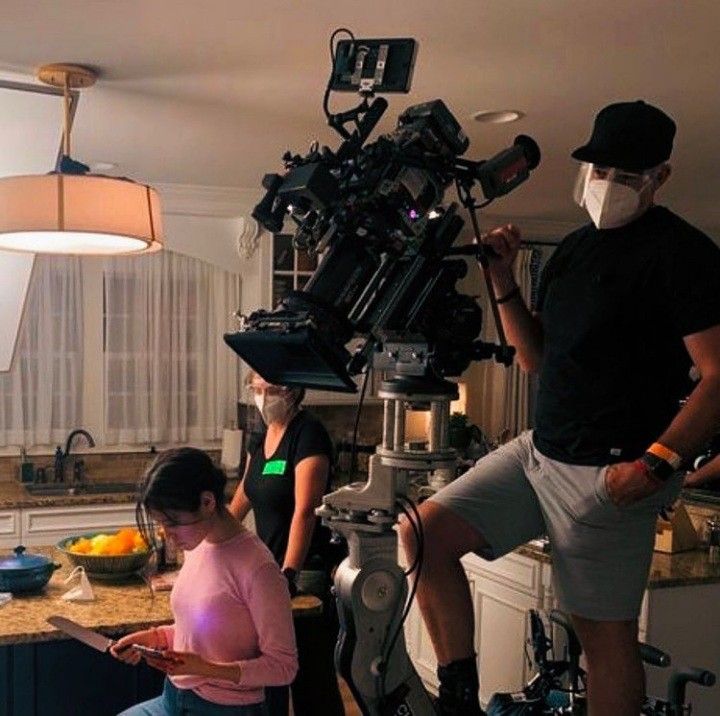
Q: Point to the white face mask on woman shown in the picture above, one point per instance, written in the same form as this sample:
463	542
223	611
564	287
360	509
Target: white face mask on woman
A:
273	408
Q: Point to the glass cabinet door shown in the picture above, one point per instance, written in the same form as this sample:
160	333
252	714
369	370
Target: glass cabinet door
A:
291	269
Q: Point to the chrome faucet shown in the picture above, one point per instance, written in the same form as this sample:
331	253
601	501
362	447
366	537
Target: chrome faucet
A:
61	457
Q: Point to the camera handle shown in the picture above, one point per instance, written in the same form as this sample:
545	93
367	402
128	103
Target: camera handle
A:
481	253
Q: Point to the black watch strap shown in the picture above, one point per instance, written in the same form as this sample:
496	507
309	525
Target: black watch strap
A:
290	574
661	469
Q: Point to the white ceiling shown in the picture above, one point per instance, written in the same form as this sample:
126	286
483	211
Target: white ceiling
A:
212	93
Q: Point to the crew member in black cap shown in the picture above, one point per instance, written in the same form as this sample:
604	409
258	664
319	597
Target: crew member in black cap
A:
625	305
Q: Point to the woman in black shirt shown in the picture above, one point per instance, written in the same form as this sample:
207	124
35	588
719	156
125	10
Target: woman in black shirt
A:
286	476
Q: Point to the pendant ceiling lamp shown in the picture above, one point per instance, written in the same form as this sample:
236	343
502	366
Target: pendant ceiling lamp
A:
70	210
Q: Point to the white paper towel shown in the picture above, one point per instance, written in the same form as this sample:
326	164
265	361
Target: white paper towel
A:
231	449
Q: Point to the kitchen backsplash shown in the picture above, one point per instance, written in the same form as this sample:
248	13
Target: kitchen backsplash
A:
99	466
129	466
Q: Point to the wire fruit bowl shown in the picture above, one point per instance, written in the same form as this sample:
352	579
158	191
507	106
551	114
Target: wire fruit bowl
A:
104	566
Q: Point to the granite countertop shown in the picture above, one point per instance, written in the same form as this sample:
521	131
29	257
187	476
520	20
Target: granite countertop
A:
682	569
118	607
14	496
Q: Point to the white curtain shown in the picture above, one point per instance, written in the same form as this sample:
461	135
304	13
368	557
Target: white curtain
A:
501	397
516	406
169	377
41	395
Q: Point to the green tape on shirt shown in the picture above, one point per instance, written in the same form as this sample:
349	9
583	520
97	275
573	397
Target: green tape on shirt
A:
274	467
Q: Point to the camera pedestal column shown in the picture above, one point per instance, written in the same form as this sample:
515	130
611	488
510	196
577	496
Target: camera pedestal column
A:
370	587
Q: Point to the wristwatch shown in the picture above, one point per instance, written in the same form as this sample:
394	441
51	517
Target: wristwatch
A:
657	467
291	575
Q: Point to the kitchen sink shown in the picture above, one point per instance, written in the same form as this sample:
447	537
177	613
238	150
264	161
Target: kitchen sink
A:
89	488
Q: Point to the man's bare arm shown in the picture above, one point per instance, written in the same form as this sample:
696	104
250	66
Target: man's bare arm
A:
699	418
522	328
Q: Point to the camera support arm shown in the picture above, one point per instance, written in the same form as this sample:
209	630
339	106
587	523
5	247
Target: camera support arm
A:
370	586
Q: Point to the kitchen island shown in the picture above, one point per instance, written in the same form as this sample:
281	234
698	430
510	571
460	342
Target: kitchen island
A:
44	673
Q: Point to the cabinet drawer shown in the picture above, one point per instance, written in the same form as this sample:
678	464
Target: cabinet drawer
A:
512	570
48	525
9	528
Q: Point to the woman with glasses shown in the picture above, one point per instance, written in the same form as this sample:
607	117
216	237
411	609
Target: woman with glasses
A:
286	475
233	632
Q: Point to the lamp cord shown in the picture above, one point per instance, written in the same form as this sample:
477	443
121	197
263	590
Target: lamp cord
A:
66	116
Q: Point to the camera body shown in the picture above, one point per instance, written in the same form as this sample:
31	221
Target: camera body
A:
374	213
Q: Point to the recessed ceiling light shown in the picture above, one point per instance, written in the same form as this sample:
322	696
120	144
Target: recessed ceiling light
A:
498	116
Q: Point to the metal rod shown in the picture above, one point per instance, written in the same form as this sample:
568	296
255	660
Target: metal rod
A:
482	260
399	433
435	425
388	423
444	425
66	115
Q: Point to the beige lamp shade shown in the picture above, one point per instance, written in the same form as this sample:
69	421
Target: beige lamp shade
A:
79	214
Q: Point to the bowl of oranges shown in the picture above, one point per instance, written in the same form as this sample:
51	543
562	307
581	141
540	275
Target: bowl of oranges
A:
107	555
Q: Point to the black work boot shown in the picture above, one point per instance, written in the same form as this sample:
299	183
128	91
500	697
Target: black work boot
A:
458	690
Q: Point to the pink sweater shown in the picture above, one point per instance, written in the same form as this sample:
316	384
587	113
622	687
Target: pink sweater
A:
231	604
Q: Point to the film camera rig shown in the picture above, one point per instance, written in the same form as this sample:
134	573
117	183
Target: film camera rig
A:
386	283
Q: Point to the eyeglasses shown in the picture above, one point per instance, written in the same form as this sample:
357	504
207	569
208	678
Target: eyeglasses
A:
172	524
269	390
634	181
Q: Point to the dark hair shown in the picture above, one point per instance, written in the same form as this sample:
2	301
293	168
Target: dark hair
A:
175	481
298	397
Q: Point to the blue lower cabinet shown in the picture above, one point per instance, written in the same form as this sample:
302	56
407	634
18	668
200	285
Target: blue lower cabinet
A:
67	678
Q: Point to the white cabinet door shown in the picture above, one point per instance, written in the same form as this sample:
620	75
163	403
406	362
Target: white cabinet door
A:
420	648
503	592
501	632
48	525
9	528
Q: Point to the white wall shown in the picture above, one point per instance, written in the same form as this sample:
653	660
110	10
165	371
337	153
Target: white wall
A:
204	222
211	239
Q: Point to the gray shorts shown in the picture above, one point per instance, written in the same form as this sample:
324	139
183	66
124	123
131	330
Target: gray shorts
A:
601	553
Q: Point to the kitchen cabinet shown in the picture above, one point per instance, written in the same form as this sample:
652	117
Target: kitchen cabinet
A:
291	269
681	619
32	526
47	525
9	528
502	592
66	678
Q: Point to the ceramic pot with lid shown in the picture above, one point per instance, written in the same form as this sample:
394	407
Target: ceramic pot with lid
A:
23	572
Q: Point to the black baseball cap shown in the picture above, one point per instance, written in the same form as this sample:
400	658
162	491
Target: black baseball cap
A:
633	136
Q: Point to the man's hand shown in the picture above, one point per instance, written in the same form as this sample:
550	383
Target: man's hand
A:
505	243
628	482
709	472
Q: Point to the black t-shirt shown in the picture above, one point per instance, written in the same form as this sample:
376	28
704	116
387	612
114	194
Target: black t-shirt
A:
270	486
615	305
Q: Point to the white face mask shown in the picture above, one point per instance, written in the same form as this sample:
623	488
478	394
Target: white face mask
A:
273	408
611	205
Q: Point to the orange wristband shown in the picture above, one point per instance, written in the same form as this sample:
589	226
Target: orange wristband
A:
665	453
